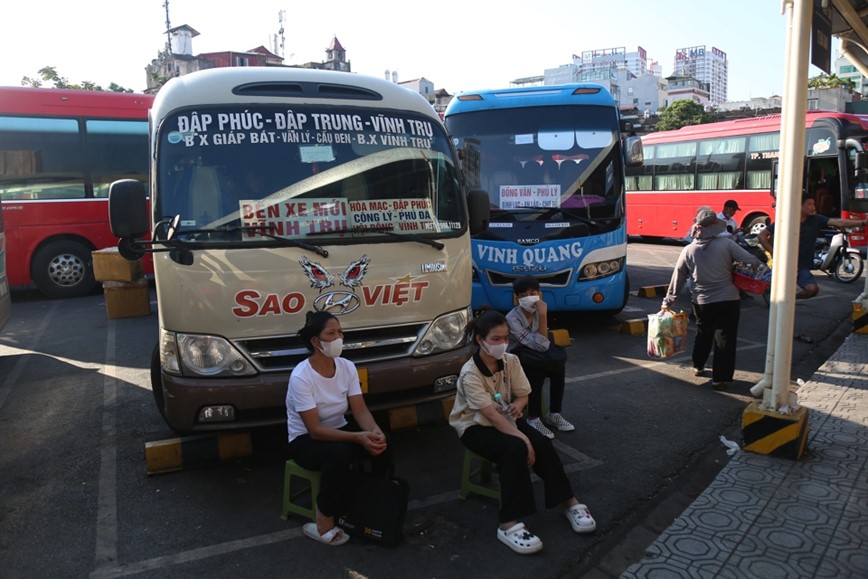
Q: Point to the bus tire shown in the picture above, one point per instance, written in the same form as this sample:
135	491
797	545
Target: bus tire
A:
63	269
755	220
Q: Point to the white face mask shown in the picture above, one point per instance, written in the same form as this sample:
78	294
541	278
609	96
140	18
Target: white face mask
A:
332	349
495	352
526	303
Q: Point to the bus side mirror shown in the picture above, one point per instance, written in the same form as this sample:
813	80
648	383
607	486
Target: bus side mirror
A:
479	208
128	209
861	164
634	155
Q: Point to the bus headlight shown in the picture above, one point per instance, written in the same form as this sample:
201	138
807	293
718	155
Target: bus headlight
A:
600	269
444	334
201	355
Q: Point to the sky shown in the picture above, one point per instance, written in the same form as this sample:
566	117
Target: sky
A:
457	45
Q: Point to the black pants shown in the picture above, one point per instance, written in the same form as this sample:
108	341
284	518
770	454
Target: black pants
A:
509	453
334	460
536	376
717	326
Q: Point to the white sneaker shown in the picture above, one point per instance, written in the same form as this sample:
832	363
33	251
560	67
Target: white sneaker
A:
555	420
535	422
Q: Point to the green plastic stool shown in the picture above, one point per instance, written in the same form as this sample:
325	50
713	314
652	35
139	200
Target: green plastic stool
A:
292	469
483	470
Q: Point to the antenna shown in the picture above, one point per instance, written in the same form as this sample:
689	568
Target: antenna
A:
168	27
281	18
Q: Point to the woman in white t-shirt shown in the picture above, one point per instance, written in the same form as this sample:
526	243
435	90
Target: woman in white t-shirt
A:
321	390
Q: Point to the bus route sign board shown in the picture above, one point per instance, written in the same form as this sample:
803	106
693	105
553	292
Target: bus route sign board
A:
821	38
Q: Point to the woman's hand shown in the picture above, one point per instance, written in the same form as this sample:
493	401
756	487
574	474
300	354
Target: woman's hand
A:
531	453
514	411
373	442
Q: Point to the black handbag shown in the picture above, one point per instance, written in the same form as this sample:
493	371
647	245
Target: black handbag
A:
375	509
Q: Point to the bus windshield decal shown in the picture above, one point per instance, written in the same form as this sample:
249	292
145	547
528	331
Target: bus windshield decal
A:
266	127
300	217
516	196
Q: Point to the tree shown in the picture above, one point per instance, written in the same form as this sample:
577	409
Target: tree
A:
682	113
49	74
830	81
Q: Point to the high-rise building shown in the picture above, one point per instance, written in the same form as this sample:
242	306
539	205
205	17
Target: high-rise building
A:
844	69
707	66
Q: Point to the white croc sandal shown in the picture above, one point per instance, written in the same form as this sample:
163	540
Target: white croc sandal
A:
333	537
519	539
580	519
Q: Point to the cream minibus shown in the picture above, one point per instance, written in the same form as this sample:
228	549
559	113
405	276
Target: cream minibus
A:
279	191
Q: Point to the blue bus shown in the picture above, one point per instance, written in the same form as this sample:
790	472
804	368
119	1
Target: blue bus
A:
551	160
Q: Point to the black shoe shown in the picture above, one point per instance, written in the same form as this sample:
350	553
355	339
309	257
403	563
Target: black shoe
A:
718	386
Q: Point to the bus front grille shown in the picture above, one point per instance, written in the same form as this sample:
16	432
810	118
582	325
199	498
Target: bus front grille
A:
363	346
553	279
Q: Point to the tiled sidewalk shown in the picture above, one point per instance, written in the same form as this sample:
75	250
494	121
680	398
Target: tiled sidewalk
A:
773	517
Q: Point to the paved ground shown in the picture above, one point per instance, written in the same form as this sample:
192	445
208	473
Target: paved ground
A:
773	517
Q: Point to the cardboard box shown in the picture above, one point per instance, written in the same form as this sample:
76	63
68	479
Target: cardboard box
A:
108	265
127	299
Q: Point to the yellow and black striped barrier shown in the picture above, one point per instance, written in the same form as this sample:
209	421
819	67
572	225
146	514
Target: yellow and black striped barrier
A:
634	327
768	432
653	291
179	453
426	413
860	319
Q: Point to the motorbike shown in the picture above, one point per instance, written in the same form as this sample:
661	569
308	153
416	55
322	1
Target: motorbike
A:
750	242
834	256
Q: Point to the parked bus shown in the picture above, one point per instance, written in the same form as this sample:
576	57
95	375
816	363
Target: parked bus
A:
5	296
279	191
59	151
711	163
551	161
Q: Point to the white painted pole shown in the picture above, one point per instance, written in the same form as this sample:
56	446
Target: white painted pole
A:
789	205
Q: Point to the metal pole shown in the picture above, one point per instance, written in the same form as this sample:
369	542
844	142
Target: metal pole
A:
789	198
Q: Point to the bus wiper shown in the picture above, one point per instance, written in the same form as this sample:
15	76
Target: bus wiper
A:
413	237
261	230
409	236
287	241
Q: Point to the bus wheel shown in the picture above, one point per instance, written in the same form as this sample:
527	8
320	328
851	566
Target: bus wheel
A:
757	220
63	269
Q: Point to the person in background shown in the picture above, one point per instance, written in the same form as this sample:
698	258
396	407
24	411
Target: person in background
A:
504	437
811	225
727	215
321	390
540	358
707	263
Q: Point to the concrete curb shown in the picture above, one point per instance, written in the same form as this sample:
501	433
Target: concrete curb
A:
635	327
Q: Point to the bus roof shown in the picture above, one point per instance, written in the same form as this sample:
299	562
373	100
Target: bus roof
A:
274	85
66	102
746	126
550	95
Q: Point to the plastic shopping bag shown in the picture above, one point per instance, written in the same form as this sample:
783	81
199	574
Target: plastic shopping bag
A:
667	334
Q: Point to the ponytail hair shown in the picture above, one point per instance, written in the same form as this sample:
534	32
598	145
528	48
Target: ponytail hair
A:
314	324
485	319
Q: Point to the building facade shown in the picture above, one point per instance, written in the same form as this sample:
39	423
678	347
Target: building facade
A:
707	66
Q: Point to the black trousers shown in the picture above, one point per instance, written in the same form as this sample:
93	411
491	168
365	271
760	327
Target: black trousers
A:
536	376
716	326
509	453
334	460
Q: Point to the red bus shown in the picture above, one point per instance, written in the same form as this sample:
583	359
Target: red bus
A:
711	163
59	152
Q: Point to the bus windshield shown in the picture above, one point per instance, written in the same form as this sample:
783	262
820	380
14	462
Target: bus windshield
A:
237	175
544	163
